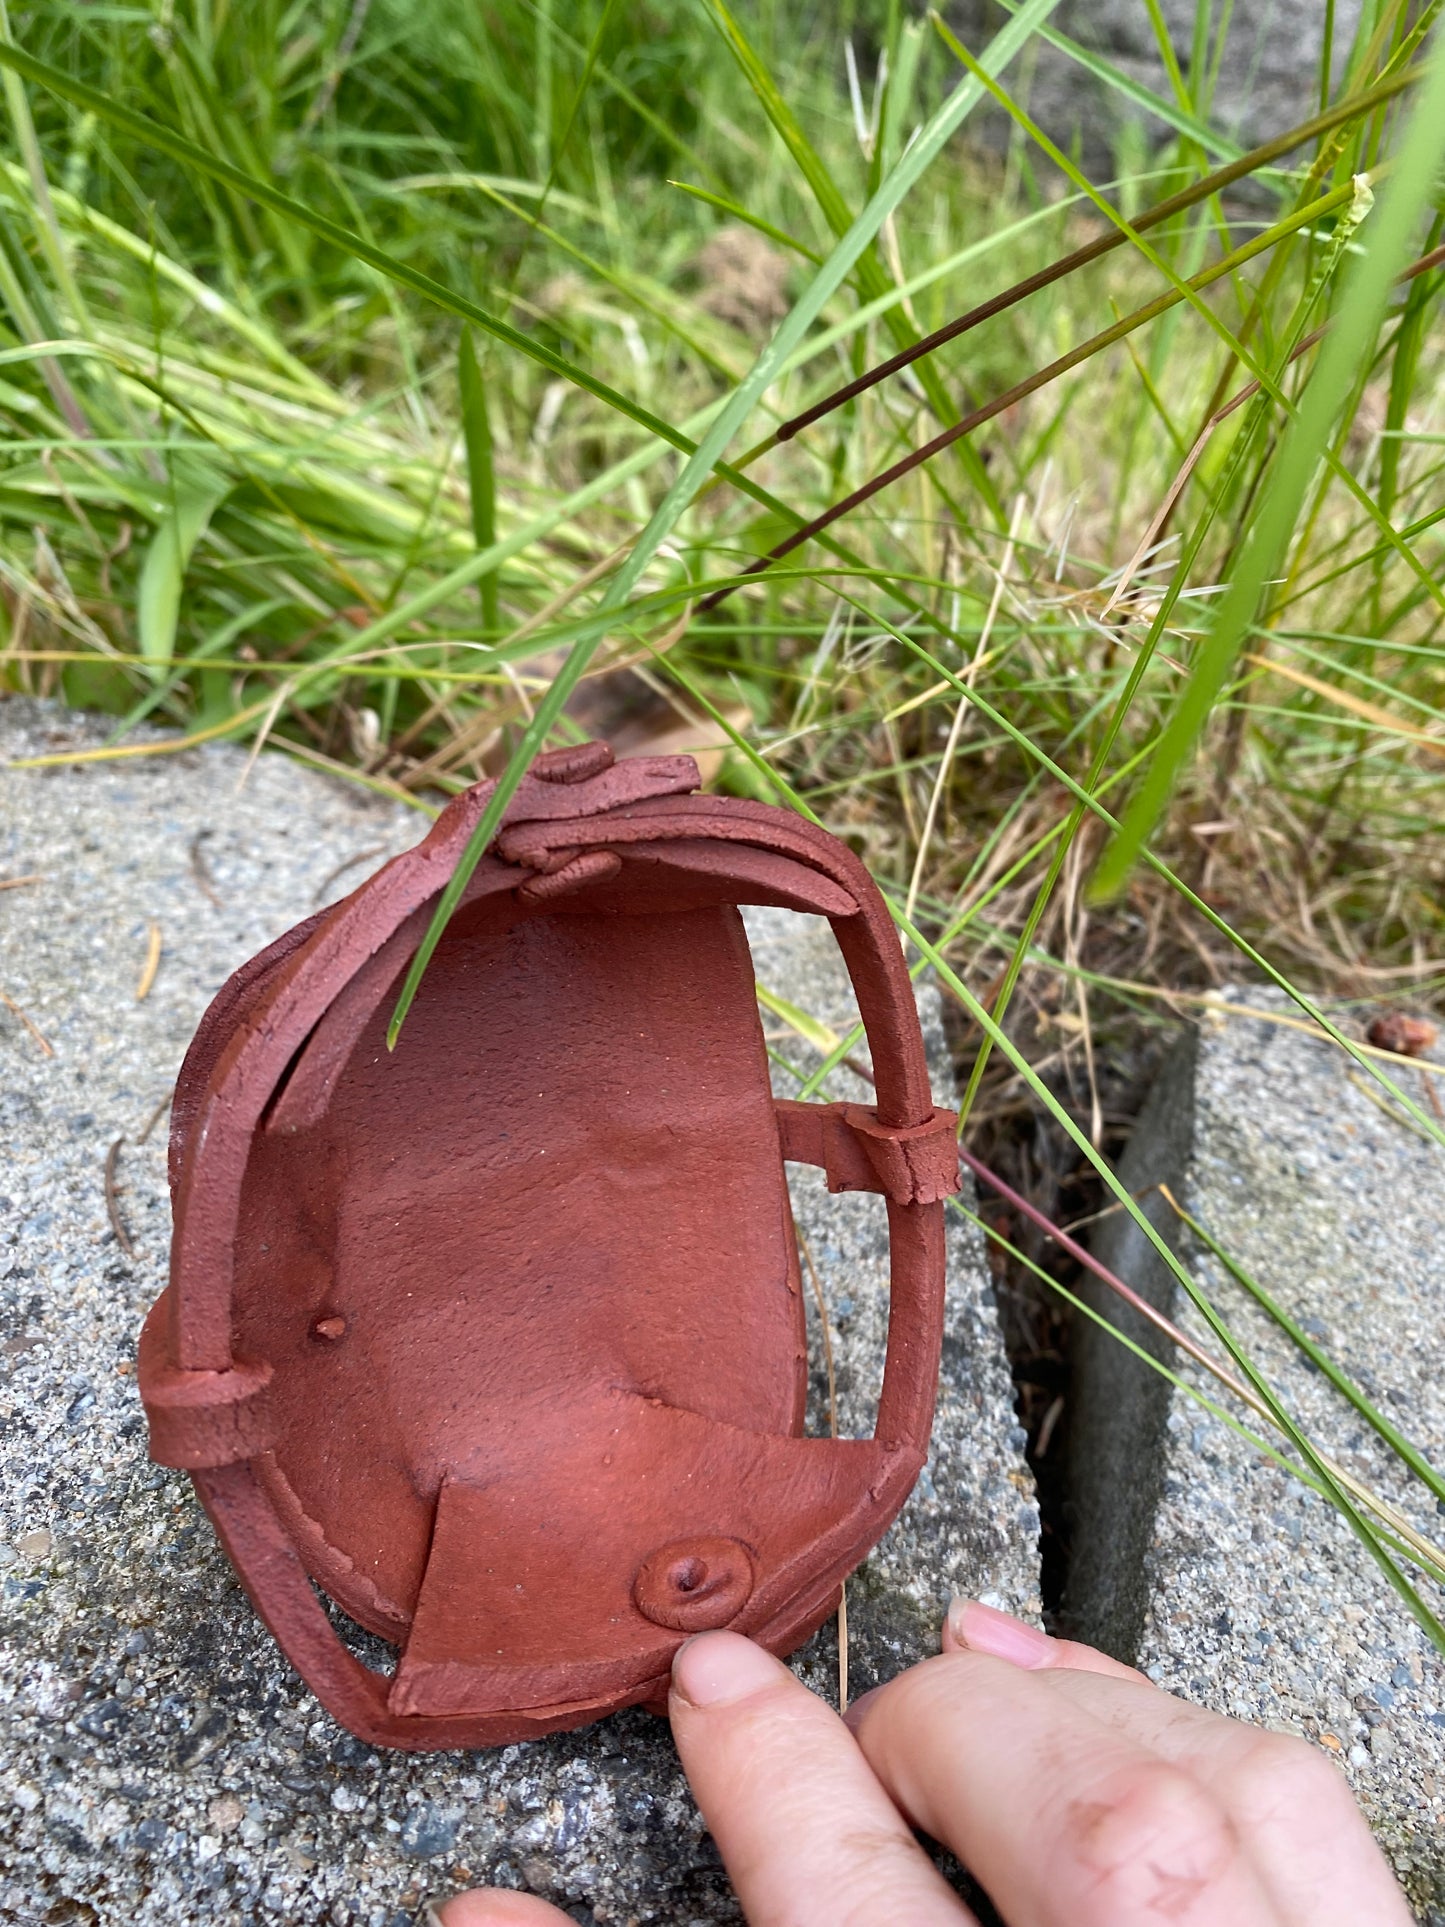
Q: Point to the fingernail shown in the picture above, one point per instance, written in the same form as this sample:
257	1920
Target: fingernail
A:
983	1629
713	1669
853	1718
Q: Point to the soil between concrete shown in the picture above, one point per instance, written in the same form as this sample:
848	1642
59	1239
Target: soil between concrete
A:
158	1759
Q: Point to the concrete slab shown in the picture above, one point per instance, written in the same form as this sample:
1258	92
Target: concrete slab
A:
1225	1578
157	1757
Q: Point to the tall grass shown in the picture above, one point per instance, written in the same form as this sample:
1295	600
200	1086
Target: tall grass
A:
405	385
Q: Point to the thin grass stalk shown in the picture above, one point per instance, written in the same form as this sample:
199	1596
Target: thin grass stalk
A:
1320	1359
1305	443
694	472
1041	378
1408	1543
1156	863
1340	1486
1419	1547
481	473
1067	264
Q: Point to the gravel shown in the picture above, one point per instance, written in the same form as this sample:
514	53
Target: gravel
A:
157	1756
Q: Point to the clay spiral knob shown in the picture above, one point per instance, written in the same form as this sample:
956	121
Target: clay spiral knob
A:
695	1585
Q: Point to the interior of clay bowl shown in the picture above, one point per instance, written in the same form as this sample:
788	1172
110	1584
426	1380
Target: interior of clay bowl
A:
494	1257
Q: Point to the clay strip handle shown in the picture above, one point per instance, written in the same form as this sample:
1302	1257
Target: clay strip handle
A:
200	1418
911	1164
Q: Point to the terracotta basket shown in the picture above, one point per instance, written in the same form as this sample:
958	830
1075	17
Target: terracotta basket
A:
499	1338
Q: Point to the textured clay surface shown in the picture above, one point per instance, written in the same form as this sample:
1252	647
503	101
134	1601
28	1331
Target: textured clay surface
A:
500	1336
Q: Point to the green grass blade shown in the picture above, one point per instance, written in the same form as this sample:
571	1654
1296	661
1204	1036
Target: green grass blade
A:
1362	307
821	184
1342	1382
874	280
178	668
167	141
736	212
1210	139
695	471
481	475
195	494
1181	1384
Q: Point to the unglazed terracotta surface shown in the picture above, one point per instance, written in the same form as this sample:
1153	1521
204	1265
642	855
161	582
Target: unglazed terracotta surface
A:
499	1338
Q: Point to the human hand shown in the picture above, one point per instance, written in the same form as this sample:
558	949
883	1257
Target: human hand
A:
1077	1793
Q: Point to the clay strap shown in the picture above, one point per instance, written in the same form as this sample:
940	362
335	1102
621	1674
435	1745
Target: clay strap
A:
911	1164
200	1418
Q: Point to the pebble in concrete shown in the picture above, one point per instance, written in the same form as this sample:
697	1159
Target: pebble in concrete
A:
1233	1584
158	1759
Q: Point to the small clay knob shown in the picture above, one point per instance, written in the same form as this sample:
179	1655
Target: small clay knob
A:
574	764
592	866
695	1585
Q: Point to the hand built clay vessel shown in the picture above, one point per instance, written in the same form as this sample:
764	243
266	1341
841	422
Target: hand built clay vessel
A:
499	1338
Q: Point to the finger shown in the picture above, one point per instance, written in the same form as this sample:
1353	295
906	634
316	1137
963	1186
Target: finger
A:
1291	1805
1129	1701
1061	1817
494	1907
808	1836
973	1627
1303	1831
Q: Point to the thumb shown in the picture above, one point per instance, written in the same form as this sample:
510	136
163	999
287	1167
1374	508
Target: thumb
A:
493	1907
